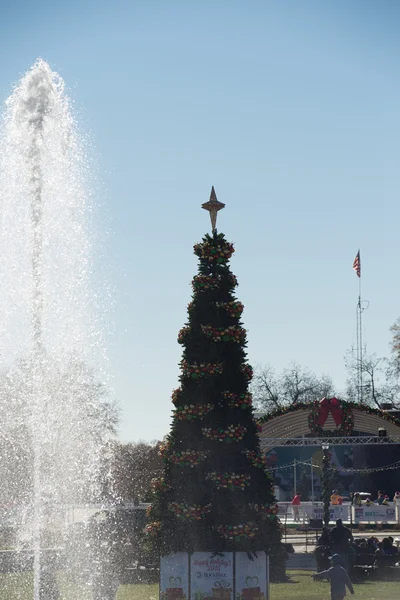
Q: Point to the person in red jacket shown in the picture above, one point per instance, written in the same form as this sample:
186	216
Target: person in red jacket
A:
296	508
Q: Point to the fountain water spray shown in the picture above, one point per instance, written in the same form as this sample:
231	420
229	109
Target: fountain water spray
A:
55	413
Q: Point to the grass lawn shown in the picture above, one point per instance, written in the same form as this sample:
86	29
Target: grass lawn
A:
301	587
138	592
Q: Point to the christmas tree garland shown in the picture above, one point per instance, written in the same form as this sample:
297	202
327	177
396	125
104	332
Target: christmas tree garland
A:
230	481
164	449
247	370
238	401
239	532
233	433
234	333
185	511
160	485
197	371
175	395
193	411
232	279
182	458
188	458
256	458
202	283
183	335
153	529
234	400
234	308
265	509
219	253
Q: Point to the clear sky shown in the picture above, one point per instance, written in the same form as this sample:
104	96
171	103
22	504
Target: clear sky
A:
290	109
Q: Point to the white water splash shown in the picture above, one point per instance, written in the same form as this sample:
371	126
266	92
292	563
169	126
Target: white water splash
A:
54	412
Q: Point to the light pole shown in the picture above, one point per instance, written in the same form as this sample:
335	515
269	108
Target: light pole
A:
326	481
312	483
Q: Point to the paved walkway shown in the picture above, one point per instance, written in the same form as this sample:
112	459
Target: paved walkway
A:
298	539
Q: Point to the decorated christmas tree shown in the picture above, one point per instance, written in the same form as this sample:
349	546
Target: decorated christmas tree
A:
215	494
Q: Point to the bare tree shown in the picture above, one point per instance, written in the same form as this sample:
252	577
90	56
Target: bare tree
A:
266	389
293	385
395	344
380	383
133	468
75	419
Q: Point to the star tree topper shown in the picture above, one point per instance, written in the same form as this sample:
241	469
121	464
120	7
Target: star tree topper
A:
213	206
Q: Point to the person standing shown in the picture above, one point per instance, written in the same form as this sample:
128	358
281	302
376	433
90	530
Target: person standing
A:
341	538
338	578
323	550
325	537
388	547
396	499
296	507
335	498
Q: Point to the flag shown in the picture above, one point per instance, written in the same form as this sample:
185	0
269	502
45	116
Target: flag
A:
357	264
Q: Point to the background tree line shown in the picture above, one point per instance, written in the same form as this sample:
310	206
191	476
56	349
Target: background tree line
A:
294	384
131	469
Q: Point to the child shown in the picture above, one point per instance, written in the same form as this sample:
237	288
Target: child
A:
338	578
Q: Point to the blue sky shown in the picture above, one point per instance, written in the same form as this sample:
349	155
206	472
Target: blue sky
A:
291	110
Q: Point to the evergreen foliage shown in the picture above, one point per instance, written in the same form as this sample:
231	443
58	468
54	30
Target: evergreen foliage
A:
326	484
215	494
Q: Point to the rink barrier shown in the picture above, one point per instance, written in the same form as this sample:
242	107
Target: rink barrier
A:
374	513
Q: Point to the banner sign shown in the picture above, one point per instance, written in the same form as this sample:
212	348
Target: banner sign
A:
251	576
336	511
339	511
374	512
211	576
174	576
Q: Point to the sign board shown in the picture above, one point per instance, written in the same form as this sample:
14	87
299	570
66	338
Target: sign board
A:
317	512
251	576
302	562
174	576
211	576
339	511
374	512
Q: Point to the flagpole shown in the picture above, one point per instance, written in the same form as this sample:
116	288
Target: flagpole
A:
357	268
360	332
358	352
